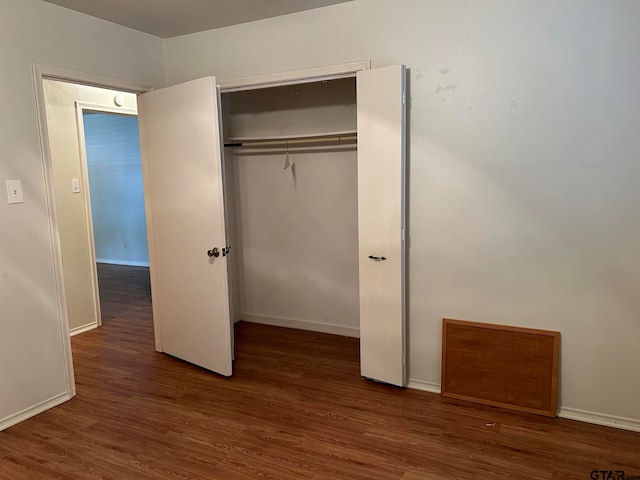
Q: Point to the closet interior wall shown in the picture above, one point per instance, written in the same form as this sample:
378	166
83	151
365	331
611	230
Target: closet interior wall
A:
292	213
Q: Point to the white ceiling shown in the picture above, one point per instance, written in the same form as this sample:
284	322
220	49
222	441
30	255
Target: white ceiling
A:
170	18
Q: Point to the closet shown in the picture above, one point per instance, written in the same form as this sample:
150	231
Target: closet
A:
291	190
281	203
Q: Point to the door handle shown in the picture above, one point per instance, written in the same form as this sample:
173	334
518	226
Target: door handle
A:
213	252
377	259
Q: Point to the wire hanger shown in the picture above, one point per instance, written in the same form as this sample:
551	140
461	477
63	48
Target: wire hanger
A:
290	165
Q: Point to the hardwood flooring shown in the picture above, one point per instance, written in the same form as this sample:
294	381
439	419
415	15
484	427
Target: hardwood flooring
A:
124	291
296	408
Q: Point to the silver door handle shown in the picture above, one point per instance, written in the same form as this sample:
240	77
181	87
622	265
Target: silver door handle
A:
213	252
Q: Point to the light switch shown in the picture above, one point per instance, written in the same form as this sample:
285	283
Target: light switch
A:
14	191
75	185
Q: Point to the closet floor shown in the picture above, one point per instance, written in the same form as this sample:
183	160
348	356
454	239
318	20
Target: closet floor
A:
296	408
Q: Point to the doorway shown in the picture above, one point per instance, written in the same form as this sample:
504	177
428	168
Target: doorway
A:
95	160
112	150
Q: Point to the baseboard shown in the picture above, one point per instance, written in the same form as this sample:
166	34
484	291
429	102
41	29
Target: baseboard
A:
430	387
129	263
301	324
603	419
33	411
82	329
585	416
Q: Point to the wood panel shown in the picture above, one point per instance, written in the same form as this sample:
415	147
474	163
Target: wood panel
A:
498	365
296	409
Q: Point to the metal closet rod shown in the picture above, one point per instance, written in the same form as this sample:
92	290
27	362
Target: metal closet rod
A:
290	141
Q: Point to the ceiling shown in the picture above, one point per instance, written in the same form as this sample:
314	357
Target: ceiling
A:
170	18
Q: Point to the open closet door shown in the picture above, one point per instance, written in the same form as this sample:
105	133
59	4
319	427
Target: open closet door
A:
381	222
182	168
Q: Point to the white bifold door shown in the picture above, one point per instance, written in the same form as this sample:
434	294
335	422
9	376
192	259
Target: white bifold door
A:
381	100
180	136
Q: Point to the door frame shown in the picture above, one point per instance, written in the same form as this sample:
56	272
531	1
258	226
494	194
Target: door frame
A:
332	73
81	107
294	77
280	79
41	72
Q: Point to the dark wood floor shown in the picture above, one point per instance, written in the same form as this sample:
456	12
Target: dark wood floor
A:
296	408
124	291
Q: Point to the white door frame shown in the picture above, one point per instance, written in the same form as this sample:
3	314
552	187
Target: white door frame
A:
331	73
41	72
294	77
81	107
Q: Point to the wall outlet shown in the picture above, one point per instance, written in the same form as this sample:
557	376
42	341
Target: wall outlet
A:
125	246
75	185
14	191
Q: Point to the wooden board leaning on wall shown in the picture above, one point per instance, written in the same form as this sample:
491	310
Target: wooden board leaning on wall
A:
511	367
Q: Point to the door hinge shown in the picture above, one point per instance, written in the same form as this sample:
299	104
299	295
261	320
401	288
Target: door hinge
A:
404	98
402	234
404	359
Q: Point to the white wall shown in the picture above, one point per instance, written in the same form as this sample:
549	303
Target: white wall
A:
32	344
298	249
523	171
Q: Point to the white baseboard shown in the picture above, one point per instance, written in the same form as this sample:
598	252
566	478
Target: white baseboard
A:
430	387
300	324
603	419
82	329
130	263
33	411
585	416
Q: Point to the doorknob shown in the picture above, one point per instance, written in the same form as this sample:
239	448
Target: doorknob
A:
213	253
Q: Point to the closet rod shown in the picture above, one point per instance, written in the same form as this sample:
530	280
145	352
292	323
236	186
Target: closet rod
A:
291	142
